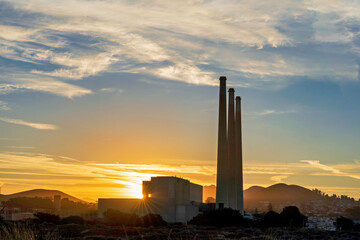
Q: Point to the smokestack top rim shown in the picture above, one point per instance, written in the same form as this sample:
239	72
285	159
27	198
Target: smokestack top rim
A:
231	90
238	97
222	78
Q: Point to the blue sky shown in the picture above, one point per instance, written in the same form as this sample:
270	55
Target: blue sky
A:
135	82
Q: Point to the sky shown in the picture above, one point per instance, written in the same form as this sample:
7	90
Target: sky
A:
98	95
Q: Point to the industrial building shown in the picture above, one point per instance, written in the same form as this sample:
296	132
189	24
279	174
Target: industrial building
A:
175	199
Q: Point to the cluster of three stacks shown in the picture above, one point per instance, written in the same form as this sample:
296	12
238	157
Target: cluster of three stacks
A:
229	182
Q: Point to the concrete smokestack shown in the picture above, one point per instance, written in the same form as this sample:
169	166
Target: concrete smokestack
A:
231	151
238	158
222	157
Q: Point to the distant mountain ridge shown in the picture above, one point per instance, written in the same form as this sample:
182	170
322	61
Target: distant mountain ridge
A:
42	193
279	192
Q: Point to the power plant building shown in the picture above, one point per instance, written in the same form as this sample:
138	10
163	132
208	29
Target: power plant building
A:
175	199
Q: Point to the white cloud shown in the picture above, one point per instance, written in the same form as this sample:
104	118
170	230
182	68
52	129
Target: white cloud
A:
187	72
227	34
79	67
40	126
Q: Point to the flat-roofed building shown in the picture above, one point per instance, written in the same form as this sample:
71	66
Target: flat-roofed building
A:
175	199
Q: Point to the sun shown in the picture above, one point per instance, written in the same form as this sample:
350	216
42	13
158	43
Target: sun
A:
135	190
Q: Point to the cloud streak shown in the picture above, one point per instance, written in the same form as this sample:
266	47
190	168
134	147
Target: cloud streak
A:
40	126
334	171
43	85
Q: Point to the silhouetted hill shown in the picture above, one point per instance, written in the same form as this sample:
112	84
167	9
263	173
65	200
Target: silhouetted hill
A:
42	193
253	189
255	196
279	192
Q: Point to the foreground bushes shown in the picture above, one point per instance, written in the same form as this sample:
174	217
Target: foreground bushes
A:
116	217
221	218
289	217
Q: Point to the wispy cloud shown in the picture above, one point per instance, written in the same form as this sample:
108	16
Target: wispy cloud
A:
269	112
112	90
4	105
278	178
240	37
40	126
333	170
44	85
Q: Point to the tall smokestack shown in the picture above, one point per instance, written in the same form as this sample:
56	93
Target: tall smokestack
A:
231	151
238	158
222	158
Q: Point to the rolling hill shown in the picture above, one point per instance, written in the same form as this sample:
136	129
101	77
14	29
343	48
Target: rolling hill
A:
42	193
279	192
275	193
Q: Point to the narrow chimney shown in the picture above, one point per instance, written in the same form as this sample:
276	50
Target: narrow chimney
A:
231	151
222	157
238	158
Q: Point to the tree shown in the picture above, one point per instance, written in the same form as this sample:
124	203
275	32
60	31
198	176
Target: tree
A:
272	219
210	200
292	217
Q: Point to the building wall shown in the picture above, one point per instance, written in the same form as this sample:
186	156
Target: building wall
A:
196	193
185	213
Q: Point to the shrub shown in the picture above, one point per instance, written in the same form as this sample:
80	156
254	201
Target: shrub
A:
116	217
292	217
72	219
272	219
47	217
220	218
151	220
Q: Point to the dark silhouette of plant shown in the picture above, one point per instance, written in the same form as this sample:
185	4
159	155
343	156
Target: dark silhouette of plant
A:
342	223
47	217
116	217
292	217
151	220
72	219
220	218
272	219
